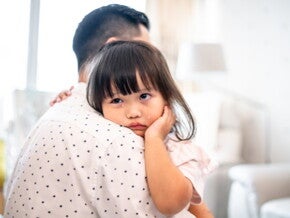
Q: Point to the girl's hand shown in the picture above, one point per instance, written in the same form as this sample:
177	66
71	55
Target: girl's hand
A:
162	126
61	96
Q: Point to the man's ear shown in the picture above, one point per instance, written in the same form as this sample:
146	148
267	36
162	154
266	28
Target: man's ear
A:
112	39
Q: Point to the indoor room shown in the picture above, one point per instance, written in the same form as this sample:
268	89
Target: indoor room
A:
229	59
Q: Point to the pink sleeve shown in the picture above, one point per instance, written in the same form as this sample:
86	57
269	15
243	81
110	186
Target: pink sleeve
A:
194	163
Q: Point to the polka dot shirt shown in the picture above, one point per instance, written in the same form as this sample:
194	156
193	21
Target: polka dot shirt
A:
75	163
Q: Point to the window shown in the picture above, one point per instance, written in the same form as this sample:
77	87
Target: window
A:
14	21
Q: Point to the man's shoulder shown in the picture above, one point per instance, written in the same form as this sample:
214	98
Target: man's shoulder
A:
73	106
80	116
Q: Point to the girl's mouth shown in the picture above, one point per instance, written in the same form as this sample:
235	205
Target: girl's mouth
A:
137	126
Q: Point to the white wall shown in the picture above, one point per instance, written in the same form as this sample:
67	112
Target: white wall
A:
256	38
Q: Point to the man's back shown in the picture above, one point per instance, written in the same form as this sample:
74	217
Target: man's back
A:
76	164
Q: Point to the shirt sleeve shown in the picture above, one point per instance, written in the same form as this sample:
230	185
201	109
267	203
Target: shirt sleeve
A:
193	162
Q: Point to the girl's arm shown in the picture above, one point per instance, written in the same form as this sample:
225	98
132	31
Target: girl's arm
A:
171	191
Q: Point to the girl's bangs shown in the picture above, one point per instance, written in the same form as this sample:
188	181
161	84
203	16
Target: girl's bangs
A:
123	78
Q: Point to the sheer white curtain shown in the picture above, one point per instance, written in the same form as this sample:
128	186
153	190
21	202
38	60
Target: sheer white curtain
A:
172	23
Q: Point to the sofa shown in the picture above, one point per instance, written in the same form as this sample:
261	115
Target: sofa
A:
260	191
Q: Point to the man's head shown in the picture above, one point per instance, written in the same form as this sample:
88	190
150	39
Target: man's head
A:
105	24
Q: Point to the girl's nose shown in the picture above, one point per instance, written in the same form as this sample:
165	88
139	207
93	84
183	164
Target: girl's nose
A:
133	112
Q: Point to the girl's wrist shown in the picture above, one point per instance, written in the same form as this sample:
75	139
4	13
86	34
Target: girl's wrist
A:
153	140
152	135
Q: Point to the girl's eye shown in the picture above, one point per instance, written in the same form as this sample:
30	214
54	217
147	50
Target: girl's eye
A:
116	101
145	96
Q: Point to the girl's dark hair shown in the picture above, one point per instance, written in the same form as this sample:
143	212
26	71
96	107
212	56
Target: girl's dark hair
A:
117	63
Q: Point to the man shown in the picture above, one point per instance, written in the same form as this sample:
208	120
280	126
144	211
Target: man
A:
65	167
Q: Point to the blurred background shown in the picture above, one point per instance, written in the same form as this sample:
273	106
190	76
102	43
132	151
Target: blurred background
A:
231	59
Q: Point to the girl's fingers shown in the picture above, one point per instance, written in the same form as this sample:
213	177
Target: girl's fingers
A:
170	115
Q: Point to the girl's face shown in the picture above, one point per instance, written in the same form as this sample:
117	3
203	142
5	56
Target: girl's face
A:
136	111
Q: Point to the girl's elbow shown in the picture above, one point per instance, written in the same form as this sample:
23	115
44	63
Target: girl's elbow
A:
173	204
168	209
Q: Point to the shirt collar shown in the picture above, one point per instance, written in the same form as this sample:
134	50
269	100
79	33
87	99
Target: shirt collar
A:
80	88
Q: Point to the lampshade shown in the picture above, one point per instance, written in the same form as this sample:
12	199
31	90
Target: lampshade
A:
200	58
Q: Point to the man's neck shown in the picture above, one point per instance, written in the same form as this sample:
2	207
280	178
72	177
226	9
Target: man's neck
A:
82	77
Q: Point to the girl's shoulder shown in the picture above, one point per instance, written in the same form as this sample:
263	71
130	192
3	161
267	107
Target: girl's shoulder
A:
187	151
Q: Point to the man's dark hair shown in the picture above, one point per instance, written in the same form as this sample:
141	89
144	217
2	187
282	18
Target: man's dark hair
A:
102	23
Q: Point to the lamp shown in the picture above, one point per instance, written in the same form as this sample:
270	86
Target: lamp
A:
199	58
